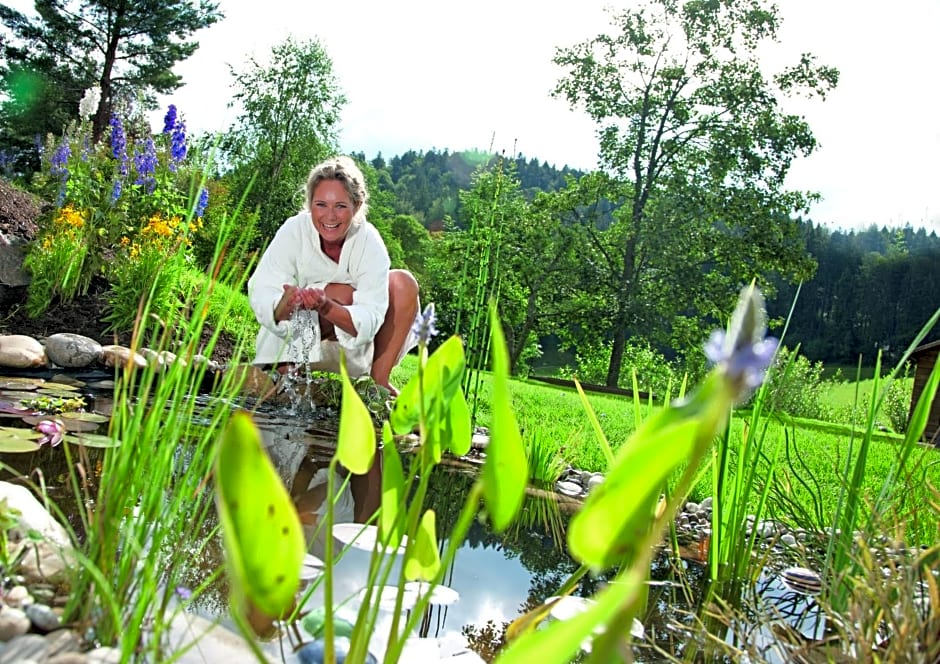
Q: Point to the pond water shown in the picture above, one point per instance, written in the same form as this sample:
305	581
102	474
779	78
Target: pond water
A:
496	578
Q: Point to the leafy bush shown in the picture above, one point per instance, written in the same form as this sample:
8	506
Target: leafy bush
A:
122	207
654	372
795	386
897	404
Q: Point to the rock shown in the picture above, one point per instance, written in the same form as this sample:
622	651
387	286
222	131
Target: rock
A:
113	356
25	648
11	265
32	516
13	622
72	351
568	488
595	480
68	658
315	652
17	597
706	504
255	382
104	655
18	351
64	642
44	619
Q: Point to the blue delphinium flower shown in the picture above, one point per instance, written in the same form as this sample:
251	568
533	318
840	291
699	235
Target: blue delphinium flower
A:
423	327
169	120
119	144
203	202
59	163
116	191
59	167
177	144
743	353
145	163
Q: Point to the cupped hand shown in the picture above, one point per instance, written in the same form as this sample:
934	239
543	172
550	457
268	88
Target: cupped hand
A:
295	297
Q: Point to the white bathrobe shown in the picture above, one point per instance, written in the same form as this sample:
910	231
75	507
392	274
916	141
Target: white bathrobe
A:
295	257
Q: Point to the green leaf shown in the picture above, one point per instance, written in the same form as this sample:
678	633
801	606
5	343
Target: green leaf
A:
423	560
355	444
92	440
505	472
391	527
441	376
459	426
315	623
18	439
264	542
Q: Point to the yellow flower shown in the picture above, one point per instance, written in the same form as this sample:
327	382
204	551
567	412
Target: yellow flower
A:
69	216
125	241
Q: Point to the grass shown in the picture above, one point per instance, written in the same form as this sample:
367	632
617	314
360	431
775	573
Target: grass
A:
812	454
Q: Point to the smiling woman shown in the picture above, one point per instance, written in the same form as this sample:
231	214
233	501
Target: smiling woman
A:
331	263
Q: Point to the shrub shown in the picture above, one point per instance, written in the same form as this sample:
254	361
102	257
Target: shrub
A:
897	402
795	386
114	200
654	372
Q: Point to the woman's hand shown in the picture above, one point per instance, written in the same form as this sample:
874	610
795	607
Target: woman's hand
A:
295	298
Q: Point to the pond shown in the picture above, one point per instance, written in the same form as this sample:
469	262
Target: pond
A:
494	578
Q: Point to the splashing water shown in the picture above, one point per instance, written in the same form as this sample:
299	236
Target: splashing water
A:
296	383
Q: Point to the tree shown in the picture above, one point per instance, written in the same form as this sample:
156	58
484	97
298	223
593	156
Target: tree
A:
290	110
696	147
127	49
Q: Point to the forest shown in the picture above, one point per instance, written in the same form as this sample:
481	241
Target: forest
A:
870	289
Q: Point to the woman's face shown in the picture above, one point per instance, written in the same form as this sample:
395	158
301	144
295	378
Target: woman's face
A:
332	210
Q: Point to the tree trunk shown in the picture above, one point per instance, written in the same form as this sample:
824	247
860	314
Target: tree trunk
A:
523	336
616	356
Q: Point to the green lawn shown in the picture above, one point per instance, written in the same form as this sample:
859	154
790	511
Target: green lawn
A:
810	455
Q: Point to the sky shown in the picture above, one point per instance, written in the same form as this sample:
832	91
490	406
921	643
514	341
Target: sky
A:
439	74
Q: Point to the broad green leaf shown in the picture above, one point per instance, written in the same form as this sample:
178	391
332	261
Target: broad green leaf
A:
18	439
355	444
315	623
505	472
459	425
618	512
391	526
560	642
423	561
264	542
92	440
441	379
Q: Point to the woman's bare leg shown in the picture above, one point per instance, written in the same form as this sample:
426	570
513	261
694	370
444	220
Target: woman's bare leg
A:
402	308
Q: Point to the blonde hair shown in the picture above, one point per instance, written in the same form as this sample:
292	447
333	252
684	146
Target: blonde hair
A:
342	169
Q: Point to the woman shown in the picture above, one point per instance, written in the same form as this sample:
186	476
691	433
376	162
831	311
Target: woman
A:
329	260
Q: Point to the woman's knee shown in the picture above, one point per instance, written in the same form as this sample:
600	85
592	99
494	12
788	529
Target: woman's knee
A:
342	293
402	286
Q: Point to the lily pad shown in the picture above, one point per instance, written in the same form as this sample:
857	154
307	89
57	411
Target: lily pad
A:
360	536
65	391
21	383
84	417
66	380
16	439
17	395
92	440
73	424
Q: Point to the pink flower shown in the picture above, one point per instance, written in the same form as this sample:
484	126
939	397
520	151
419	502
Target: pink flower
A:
52	430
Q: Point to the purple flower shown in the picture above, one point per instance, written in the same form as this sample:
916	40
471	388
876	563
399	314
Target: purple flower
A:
169	120
116	191
145	163
423	327
202	202
52	432
183	593
119	143
743	353
177	144
59	164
